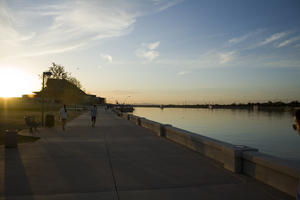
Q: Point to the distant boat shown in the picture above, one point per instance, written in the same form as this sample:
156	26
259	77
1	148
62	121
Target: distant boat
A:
161	107
210	107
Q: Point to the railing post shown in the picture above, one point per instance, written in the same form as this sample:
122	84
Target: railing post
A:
233	157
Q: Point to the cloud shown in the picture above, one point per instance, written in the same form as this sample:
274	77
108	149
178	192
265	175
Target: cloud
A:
273	38
242	38
238	39
289	41
148	51
60	26
165	4
226	57
209	59
106	57
232	59
153	45
181	73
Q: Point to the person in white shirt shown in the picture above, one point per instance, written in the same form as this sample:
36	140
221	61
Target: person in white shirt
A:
63	116
93	115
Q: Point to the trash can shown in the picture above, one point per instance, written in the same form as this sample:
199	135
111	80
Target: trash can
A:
49	121
11	139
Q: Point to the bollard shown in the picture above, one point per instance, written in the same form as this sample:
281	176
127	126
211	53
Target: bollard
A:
10	139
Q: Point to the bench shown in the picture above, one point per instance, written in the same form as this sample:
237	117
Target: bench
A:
31	123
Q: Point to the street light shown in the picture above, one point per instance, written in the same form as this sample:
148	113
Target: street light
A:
43	95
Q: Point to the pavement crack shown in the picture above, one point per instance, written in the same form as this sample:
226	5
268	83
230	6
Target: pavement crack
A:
111	166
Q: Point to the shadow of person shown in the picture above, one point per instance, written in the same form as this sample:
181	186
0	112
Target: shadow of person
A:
16	182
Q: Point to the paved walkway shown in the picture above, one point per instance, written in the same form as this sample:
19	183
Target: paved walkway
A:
117	160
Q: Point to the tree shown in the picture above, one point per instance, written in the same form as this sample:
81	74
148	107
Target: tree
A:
74	81
59	72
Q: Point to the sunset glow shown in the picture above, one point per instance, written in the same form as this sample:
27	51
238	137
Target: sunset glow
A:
156	51
15	82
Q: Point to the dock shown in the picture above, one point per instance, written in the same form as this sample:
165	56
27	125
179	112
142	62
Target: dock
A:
117	159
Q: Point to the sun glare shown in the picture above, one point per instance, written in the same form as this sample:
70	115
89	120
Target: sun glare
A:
15	82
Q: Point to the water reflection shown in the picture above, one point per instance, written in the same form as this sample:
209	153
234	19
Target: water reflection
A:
269	131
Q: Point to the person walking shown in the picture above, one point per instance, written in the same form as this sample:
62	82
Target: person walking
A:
63	116
93	115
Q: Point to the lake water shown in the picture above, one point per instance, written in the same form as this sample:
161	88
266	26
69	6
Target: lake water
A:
270	132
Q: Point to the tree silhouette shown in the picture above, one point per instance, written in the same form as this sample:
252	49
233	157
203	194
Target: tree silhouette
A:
59	72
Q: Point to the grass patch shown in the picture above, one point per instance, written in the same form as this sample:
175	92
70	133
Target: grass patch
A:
14	120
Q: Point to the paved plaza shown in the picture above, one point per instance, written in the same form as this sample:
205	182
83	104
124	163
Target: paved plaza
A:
117	160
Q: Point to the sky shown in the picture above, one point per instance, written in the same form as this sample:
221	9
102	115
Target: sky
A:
155	51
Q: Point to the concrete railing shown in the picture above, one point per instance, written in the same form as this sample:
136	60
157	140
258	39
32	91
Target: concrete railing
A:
272	171
230	156
135	119
236	158
125	116
153	126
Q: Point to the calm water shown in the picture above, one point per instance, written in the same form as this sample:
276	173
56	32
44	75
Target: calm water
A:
270	132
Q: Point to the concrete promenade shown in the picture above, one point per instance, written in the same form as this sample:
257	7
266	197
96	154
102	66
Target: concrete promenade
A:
117	160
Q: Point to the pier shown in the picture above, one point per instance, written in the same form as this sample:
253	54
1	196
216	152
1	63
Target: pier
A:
120	159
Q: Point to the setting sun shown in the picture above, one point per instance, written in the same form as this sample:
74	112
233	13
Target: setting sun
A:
15	82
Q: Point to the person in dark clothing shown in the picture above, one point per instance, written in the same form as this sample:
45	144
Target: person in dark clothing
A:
93	115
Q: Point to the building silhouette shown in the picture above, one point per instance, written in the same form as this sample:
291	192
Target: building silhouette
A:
63	91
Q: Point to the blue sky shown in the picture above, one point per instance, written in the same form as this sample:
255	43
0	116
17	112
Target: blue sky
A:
160	51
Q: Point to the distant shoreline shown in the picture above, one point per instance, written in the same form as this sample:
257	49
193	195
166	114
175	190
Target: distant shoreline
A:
279	106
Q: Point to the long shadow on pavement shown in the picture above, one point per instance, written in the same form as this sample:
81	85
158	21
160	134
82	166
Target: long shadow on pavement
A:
16	182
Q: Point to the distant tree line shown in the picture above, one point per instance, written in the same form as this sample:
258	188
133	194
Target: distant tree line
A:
269	104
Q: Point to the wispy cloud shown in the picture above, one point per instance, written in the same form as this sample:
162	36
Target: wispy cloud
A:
232	59
238	39
209	59
242	38
153	45
54	27
67	26
106	57
148	51
181	73
165	4
273	38
226	57
288	42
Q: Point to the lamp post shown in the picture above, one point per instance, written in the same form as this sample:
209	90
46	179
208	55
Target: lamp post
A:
43	95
